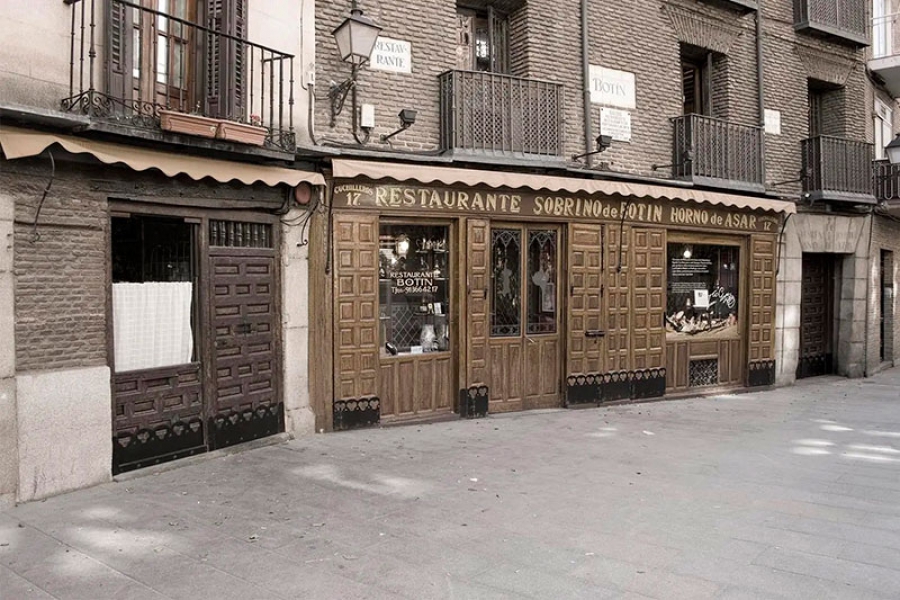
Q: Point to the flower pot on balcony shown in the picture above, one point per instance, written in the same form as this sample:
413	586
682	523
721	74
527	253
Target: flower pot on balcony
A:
242	133
178	122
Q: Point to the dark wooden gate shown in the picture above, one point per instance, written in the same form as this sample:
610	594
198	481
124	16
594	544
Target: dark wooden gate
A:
245	399
816	316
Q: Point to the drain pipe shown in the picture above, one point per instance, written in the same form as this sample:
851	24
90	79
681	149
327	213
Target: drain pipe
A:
869	269
586	64
761	86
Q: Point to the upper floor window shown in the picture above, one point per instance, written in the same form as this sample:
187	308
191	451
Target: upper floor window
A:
696	65
482	40
881	28
883	129
159	56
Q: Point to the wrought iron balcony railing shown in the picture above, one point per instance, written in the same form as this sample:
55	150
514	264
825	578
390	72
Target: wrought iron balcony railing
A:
489	113
887	181
836	169
129	62
718	153
844	19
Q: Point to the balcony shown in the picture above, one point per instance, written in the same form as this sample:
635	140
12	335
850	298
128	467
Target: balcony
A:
716	153
743	6
885	62
887	181
488	114
838	170
844	20
158	71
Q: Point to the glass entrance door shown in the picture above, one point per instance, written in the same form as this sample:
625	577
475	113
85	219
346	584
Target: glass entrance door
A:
524	317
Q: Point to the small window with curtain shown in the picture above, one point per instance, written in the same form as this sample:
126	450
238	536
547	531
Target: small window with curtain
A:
154	274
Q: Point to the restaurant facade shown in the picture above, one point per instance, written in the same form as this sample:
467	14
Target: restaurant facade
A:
465	291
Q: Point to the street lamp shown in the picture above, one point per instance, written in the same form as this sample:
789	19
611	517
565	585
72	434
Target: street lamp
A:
893	150
355	38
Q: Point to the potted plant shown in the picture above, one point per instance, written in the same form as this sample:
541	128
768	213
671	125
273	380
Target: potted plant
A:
244	133
190	124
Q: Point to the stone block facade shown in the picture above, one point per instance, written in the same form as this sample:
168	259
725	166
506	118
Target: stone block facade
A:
883	345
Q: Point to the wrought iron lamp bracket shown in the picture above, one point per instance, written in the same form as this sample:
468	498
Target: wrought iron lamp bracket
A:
338	95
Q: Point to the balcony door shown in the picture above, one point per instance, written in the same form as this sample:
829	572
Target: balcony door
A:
157	52
525	345
482	41
881	28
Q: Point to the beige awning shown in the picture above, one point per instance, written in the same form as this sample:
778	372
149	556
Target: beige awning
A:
347	169
20	143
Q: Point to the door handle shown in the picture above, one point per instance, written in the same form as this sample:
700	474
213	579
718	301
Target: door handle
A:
530	340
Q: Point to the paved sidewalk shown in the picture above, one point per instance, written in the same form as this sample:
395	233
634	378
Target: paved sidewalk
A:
793	493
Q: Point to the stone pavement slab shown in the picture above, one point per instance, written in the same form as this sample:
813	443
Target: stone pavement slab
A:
789	493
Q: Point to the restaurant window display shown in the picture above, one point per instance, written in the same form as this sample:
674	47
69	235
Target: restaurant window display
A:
702	295
414	290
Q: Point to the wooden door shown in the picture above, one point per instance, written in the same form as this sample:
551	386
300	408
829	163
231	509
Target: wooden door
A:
477	281
356	307
585	270
245	402
648	298
525	342
816	314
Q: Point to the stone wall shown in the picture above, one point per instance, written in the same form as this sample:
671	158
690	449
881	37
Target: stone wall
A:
847	238
885	236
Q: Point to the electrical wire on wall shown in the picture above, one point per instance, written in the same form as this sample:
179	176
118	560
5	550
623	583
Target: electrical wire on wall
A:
35	236
303	221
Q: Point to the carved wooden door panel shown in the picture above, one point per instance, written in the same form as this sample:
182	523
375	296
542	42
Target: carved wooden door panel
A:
816	315
585	344
648	299
476	285
525	341
617	298
762	311
246	399
356	307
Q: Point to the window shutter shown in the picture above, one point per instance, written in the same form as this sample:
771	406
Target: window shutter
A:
225	59
120	56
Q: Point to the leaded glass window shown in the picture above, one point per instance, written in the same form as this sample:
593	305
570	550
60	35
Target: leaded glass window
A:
542	280
506	290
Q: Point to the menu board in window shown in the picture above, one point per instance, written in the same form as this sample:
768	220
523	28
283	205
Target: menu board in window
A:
414	288
702	294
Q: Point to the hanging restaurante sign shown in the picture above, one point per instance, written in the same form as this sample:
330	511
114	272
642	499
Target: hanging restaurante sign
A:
539	204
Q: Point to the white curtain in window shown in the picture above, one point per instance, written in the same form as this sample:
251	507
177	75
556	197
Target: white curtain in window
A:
152	324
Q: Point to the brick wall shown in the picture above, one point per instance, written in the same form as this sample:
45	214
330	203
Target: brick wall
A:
640	37
61	277
430	26
60	293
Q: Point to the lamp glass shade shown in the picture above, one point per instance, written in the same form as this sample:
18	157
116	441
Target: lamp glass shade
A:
356	38
892	150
